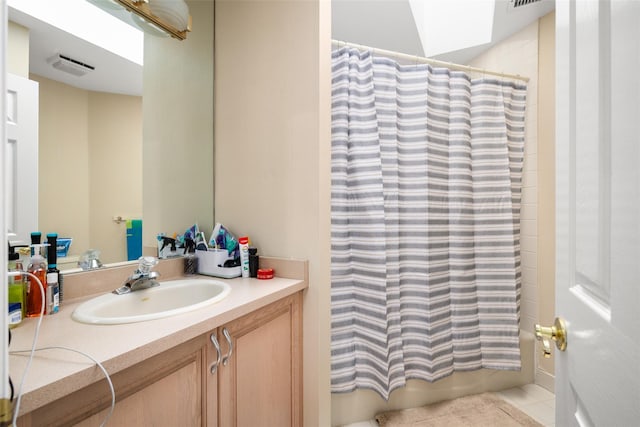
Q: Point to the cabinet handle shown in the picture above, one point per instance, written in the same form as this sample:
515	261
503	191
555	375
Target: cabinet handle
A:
216	345
226	334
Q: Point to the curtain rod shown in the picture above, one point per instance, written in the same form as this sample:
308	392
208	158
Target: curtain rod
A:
420	59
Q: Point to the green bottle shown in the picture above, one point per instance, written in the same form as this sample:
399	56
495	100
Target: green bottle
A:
17	290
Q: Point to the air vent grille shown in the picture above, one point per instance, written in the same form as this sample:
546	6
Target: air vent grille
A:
70	65
518	3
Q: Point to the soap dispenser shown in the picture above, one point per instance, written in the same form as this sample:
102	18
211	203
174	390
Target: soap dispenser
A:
36	238
37	267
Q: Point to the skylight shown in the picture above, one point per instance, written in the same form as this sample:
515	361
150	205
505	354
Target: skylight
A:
450	25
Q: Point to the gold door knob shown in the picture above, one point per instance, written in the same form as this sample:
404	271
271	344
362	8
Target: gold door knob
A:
557	332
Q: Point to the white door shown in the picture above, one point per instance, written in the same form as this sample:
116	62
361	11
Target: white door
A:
598	212
21	161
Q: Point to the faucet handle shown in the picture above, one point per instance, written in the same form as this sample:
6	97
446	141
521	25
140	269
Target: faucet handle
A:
146	263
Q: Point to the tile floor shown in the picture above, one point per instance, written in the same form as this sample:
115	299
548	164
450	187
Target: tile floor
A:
531	399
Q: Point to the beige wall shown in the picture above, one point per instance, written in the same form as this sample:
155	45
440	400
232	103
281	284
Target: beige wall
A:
115	170
63	181
546	188
272	136
90	147
178	129
18	50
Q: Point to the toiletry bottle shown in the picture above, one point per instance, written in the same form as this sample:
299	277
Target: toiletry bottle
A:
38	267
254	261
244	255
53	275
16	287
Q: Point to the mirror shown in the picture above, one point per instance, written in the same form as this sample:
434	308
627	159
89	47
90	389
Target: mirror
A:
130	157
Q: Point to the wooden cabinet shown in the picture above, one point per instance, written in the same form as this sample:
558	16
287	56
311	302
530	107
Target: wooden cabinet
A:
173	400
259	377
257	382
167	389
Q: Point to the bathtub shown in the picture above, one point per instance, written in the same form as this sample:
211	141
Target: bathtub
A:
363	405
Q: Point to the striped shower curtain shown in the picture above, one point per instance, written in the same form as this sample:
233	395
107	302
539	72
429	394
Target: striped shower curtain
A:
425	213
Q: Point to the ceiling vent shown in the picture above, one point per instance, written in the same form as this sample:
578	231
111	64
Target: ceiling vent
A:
70	65
519	3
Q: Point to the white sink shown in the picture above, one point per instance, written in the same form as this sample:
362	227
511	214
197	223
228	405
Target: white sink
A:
169	298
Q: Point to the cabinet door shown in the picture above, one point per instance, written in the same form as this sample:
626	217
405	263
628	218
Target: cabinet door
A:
171	401
260	383
167	389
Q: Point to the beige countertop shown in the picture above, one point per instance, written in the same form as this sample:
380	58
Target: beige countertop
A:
56	373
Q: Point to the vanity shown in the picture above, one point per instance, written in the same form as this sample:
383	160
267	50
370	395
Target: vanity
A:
235	362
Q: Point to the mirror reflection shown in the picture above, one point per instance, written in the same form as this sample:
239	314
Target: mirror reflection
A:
98	136
105	154
89	134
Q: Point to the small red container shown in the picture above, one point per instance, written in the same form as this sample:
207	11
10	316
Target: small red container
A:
265	273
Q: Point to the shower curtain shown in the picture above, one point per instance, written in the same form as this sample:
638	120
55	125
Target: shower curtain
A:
425	222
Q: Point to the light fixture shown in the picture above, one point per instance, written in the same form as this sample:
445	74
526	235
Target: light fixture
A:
170	16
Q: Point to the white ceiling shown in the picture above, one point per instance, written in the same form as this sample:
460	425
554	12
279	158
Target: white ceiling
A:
390	25
386	24
113	73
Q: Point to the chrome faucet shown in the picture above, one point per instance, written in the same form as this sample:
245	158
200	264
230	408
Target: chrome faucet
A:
142	278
